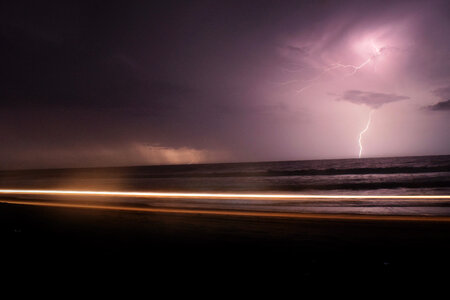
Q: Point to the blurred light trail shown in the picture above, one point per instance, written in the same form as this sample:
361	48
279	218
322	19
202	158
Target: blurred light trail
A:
362	132
237	213
215	195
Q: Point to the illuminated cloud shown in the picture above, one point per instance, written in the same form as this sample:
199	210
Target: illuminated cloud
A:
184	155
112	155
372	99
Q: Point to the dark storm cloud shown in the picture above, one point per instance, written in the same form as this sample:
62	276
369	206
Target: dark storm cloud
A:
443	93
371	99
440	106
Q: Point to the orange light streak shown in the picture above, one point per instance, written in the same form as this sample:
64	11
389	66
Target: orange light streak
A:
239	213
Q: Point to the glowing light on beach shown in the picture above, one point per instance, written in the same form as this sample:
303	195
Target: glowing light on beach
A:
213	195
362	132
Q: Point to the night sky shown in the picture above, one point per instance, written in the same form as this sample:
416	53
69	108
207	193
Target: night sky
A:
91	83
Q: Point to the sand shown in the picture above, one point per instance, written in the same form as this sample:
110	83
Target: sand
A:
181	247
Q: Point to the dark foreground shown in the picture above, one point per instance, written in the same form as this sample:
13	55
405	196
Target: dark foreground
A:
49	243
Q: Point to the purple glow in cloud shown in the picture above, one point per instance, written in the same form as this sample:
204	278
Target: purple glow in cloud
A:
372	48
362	56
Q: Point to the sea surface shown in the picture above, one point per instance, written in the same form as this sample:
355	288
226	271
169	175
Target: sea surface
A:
424	175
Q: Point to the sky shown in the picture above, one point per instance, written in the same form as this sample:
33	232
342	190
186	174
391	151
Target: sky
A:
112	83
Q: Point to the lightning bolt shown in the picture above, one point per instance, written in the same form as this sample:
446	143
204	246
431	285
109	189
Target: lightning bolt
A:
355	68
336	66
362	132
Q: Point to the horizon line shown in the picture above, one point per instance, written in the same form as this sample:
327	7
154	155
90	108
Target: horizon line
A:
211	163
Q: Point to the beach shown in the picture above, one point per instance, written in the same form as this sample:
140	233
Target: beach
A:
373	220
187	246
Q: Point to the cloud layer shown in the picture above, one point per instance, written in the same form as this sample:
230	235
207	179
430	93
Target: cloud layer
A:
372	99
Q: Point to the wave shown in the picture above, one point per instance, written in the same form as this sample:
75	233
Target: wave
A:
360	171
361	186
303	172
150	172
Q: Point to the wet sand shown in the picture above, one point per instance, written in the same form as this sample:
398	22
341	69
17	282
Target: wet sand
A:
140	246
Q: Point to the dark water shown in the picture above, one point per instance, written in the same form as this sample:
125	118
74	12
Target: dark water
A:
380	176
427	175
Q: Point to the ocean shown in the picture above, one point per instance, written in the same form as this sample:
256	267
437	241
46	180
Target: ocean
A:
424	175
